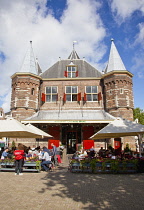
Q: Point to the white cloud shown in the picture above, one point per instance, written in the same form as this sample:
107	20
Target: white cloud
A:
21	21
125	8
140	36
138	66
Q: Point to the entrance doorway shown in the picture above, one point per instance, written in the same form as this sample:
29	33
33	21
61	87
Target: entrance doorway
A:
71	141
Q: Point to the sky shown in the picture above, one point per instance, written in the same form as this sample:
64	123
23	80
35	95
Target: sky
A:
53	25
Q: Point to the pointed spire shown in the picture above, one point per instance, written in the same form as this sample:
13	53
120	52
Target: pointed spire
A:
115	62
73	54
39	70
29	64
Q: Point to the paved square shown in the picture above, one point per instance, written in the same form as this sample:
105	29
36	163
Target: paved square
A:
61	189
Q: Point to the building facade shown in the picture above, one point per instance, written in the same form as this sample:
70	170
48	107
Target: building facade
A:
72	100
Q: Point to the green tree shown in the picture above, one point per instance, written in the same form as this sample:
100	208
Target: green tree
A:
13	145
139	114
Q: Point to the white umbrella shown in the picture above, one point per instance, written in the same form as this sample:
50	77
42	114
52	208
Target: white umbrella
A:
120	128
14	129
38	131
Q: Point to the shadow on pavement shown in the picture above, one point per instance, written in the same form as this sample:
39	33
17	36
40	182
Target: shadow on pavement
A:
97	191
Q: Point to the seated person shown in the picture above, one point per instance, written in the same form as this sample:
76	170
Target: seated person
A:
85	153
75	155
46	163
29	155
5	154
102	152
92	153
40	154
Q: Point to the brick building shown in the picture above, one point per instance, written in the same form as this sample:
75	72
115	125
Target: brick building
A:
72	100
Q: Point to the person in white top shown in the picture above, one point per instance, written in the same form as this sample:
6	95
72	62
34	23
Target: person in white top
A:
46	161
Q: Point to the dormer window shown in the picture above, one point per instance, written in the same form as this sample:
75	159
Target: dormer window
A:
71	71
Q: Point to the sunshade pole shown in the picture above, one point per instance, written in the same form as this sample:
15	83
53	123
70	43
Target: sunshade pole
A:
140	143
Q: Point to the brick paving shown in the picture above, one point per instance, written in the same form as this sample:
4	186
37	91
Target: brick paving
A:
62	190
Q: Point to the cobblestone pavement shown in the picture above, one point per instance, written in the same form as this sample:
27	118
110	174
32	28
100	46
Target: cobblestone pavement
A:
62	190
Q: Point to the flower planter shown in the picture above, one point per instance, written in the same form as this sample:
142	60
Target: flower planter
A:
107	167
98	167
130	168
86	168
75	167
28	166
127	168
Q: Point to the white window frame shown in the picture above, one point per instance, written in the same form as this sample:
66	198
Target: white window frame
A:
51	94
71	73
91	93
71	96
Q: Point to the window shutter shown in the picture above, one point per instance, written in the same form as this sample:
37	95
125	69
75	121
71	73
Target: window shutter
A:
43	97
99	96
64	97
65	73
85	97
79	97
76	73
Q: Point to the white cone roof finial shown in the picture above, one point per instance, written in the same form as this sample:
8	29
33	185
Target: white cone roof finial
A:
29	63
115	62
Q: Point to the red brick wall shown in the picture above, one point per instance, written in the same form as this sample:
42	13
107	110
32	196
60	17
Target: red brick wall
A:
71	105
23	102
117	103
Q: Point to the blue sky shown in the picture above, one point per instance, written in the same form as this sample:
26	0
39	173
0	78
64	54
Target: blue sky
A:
53	25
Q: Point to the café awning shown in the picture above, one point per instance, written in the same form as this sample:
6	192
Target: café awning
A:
38	131
15	129
119	128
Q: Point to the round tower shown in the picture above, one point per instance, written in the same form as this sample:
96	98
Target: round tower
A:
25	87
118	87
25	95
119	94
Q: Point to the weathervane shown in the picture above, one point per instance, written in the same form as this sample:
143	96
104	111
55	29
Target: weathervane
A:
74	44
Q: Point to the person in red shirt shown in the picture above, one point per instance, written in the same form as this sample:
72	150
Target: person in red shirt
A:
19	159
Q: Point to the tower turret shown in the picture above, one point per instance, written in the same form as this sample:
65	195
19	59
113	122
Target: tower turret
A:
25	88
118	86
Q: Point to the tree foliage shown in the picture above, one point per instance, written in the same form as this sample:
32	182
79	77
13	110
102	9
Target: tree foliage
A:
13	144
139	114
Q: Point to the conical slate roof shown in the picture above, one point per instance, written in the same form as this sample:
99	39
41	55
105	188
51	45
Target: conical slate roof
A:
73	55
39	70
115	62
29	64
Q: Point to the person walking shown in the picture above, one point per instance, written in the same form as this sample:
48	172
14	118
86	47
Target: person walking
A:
54	149
19	159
